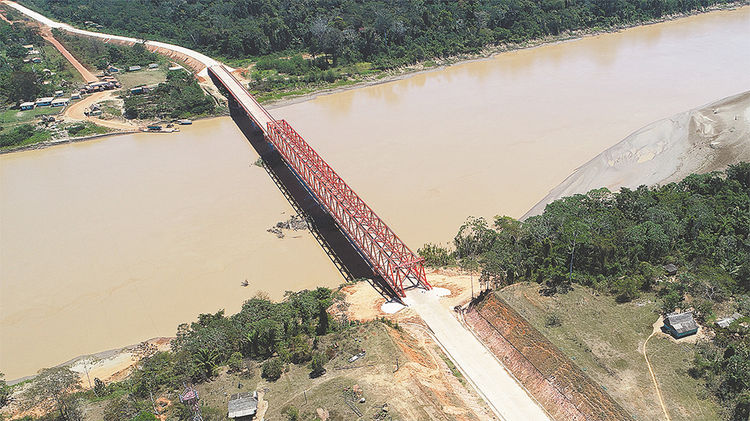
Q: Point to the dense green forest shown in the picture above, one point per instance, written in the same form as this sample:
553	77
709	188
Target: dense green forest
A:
180	96
618	243
385	33
101	55
22	80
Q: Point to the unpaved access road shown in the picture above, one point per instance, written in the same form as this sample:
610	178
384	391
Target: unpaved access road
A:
77	111
503	393
87	76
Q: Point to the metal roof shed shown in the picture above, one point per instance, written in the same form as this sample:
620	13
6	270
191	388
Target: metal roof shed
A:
680	325
242	406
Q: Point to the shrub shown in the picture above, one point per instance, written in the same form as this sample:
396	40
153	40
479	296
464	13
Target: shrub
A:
292	413
272	369
235	362
317	364
435	255
552	320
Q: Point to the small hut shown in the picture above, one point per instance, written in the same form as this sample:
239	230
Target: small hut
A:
242	406
725	322
670	269
680	325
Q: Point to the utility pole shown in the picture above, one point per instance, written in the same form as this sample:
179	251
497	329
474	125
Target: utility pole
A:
472	284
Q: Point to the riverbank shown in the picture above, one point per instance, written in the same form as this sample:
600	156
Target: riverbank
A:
704	139
51	143
487	53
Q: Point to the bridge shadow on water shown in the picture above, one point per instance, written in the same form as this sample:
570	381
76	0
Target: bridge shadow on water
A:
345	256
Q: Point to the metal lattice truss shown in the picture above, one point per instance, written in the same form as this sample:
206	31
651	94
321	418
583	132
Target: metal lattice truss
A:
387	254
378	244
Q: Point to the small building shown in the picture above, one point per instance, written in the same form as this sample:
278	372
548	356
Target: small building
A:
725	322
134	68
153	66
75	95
176	68
113	69
27	106
36	60
43	102
33	52
242	406
100	86
680	325
58	94
137	90
670	269
60	102
29	47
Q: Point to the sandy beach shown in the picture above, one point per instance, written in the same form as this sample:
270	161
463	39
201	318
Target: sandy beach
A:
705	139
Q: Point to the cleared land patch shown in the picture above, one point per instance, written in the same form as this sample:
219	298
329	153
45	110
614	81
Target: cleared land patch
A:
605	340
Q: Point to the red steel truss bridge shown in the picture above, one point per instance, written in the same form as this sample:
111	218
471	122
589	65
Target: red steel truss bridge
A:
390	257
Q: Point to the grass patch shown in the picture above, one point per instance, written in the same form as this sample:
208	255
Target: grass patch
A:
264	97
22	135
142	77
17	116
454	370
111	108
604	338
86	129
295	388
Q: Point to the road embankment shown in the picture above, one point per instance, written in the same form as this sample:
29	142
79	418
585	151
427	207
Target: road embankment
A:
564	391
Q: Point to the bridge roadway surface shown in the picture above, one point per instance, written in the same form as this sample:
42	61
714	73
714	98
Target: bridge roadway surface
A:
507	398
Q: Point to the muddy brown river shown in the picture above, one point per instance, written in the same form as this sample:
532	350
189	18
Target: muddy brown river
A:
113	241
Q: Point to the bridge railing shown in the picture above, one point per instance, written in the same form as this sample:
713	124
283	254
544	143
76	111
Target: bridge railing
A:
389	256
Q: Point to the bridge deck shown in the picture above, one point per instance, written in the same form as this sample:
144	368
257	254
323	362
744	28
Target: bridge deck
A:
374	240
260	115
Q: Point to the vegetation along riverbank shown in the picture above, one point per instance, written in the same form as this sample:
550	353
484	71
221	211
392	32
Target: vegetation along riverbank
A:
618	245
50	94
289	52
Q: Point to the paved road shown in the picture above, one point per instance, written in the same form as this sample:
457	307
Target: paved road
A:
506	397
201	58
261	116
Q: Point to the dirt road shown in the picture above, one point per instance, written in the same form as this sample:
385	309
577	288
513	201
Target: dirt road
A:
507	398
87	76
76	111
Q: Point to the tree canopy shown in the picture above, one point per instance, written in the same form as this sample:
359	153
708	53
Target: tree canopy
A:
383	32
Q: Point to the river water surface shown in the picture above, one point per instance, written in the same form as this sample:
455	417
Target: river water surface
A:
106	243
